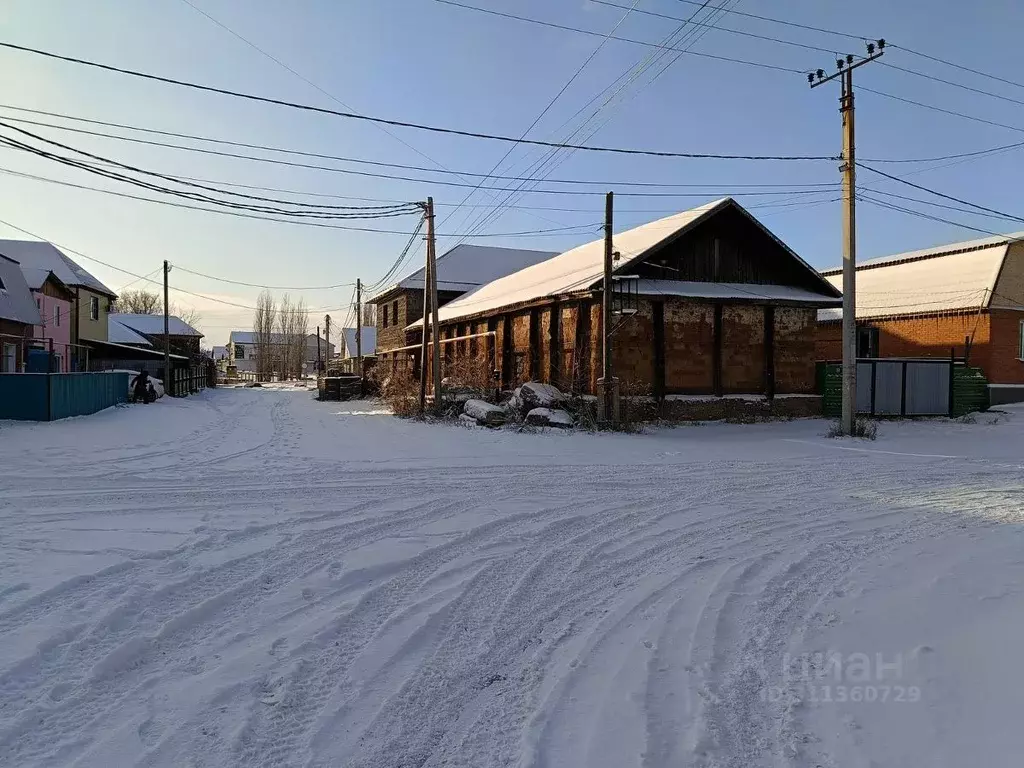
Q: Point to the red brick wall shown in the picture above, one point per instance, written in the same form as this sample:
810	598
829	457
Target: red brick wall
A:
1000	361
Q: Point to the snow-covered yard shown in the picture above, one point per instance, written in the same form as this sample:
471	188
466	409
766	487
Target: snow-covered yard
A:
251	578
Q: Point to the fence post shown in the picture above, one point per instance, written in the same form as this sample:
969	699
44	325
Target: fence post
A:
952	378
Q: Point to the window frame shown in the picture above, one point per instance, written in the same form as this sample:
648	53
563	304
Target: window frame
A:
4	347
94	308
56	315
239	351
384	316
394	312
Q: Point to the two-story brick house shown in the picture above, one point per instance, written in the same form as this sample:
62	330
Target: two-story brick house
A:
463	268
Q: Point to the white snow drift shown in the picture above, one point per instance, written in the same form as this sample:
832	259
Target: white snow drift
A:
253	578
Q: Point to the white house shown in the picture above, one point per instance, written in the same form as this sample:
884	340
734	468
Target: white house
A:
243	356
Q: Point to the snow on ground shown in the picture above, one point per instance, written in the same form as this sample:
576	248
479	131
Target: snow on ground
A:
250	578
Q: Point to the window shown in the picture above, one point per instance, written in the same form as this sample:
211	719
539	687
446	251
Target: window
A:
384	316
94	308
39	304
56	316
239	352
867	342
394	312
2	286
8	358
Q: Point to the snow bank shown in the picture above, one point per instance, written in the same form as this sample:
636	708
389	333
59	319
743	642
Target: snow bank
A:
485	412
548	417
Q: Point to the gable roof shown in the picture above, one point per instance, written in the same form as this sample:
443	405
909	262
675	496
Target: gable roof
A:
467	266
369	341
16	302
153	325
948	278
582	268
249	337
35	254
118	333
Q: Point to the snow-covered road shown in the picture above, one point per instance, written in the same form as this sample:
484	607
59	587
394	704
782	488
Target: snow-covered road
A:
252	578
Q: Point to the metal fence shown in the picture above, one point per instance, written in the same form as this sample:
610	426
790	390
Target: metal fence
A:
907	387
50	396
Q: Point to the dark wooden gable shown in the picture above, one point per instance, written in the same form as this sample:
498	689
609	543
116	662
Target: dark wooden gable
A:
727	248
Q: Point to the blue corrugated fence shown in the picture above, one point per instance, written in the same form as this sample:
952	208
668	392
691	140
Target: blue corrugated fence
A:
45	397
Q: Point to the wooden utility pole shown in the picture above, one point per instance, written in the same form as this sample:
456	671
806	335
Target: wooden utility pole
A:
849	169
428	214
319	364
435	332
359	332
607	407
168	379
327	342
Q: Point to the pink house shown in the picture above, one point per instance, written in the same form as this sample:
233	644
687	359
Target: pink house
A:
55	302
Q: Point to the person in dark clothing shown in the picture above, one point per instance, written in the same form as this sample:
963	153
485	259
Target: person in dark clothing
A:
139	386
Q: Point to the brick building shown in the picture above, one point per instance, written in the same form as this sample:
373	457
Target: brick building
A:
463	268
964	298
710	303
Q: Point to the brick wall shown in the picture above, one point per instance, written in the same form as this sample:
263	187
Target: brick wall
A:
742	349
689	346
795	349
1000	362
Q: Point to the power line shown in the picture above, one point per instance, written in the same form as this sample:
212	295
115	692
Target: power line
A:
329	157
723	29
267	287
919	214
371	211
952	83
958	66
547	107
791	23
1001	214
406	124
933	108
304	223
934	204
758	64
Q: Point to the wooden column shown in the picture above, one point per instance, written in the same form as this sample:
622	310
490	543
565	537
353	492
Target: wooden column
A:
555	344
535	372
658	310
506	351
716	353
769	352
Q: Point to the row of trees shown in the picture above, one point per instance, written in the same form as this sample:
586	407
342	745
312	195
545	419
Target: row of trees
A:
280	331
142	302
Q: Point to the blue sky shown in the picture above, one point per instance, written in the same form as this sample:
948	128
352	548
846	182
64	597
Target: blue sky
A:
427	62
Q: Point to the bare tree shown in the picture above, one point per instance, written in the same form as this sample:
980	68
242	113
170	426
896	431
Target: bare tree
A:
263	324
284	329
188	315
139	302
299	332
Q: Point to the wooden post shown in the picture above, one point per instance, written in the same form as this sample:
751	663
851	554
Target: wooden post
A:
167	333
607	410
435	325
359	332
428	213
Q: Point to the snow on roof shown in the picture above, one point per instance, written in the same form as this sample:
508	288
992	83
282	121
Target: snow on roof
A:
249	337
35	276
152	325
369	341
745	291
118	333
583	267
952	277
467	266
16	302
35	254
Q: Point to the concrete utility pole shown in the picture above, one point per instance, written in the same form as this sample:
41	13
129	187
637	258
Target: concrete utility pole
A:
168	380
606	406
428	214
849	169
435	326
